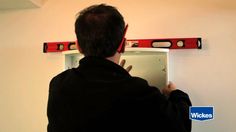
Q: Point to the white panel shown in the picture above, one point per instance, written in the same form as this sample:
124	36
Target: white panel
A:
148	63
151	66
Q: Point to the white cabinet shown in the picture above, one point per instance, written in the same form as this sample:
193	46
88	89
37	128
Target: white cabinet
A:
148	63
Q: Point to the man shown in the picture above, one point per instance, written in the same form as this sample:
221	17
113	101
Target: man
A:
101	96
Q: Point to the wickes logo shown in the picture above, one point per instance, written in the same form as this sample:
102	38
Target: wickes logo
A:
201	113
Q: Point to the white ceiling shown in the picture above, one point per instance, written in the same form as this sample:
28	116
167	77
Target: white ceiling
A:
18	4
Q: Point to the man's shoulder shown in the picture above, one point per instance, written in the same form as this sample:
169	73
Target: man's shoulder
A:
62	75
140	84
61	78
139	81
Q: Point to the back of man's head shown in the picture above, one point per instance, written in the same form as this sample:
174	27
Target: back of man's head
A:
99	30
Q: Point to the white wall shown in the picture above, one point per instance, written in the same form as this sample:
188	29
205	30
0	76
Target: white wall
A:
208	75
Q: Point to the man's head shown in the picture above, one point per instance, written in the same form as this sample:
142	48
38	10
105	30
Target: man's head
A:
99	30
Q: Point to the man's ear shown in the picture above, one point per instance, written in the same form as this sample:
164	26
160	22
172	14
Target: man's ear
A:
77	45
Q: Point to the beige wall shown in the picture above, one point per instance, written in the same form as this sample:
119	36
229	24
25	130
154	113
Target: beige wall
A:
208	75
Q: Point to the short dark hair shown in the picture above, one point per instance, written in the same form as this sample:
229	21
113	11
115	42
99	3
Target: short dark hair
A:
99	30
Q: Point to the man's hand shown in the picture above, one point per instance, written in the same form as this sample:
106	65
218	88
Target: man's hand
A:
168	89
122	63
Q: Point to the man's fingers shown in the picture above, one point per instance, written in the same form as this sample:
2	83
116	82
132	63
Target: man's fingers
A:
122	63
128	68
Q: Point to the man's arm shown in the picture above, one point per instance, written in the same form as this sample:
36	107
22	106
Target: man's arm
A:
181	101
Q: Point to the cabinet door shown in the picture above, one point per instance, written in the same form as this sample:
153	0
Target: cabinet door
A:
148	63
152	66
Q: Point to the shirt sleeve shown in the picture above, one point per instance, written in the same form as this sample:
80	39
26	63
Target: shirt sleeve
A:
182	103
175	108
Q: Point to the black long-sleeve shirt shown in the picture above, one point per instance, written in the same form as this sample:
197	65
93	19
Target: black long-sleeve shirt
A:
101	96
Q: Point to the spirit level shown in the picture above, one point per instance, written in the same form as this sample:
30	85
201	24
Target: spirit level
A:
58	46
171	43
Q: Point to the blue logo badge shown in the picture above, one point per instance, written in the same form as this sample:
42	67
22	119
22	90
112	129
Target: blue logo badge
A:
201	113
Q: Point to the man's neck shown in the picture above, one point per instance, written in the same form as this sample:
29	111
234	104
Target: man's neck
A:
115	58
